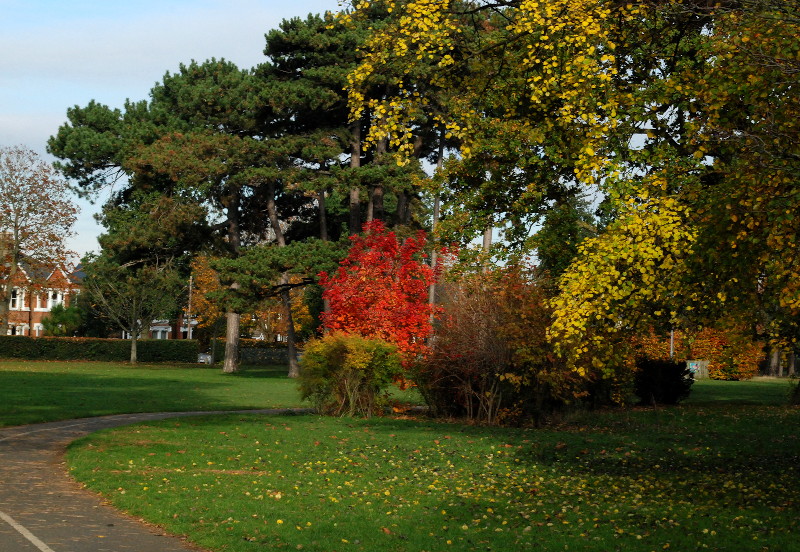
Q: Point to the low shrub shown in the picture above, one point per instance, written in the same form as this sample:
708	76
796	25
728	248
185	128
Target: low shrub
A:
659	381
346	374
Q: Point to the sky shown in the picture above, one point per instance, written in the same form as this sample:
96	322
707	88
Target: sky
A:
57	54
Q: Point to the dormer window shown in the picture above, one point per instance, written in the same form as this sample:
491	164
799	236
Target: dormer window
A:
54	298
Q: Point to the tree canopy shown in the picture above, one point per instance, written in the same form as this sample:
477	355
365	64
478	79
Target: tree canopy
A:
681	113
36	217
644	153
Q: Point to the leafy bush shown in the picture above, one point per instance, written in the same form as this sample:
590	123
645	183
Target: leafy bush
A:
346	374
662	381
491	361
381	290
89	348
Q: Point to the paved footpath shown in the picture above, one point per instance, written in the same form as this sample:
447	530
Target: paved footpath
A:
43	510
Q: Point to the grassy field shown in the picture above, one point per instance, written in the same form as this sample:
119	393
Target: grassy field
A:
721	472
32	392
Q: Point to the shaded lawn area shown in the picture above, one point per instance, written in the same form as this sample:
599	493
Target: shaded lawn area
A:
32	392
719	473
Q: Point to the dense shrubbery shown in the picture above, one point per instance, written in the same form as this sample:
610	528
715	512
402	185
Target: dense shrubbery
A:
491	360
658	381
348	375
88	348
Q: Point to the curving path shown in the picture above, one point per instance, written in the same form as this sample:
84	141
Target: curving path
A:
43	510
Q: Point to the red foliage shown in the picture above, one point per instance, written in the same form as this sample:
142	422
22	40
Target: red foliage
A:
381	290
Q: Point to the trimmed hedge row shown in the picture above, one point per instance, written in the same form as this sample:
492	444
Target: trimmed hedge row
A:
247	343
91	348
257	352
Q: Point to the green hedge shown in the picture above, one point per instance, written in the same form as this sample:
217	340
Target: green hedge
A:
91	348
247	343
257	352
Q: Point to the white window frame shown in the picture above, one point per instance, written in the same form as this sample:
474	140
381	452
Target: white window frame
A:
54	297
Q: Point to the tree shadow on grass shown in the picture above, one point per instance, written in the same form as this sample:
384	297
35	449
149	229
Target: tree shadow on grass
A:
703	449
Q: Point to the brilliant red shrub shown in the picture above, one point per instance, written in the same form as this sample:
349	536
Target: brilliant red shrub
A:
381	290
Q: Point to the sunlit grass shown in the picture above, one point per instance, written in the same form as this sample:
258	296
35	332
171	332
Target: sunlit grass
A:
32	392
710	476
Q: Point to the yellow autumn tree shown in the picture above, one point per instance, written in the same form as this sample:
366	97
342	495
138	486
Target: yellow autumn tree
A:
632	266
684	114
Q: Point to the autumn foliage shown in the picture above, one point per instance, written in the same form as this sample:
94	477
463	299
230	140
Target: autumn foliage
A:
205	281
730	354
381	290
347	374
267	317
491	360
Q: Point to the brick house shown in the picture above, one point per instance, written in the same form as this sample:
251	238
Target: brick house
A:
36	290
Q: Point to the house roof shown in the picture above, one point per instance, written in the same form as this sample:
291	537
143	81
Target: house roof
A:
40	273
77	275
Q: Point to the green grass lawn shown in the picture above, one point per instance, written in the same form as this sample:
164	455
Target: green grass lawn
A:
719	473
760	390
32	392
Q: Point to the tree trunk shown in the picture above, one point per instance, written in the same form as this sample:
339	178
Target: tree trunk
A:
231	363
291	338
134	341
774	362
323	217
355	162
403	208
376	210
487	248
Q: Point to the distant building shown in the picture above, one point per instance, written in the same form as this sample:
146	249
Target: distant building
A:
173	329
36	290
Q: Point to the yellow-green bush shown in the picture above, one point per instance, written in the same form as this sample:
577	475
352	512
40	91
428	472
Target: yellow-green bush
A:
348	375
